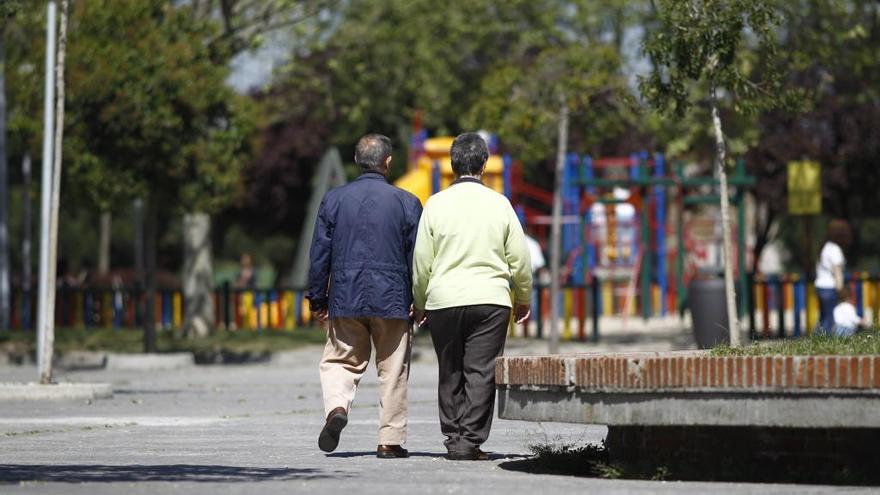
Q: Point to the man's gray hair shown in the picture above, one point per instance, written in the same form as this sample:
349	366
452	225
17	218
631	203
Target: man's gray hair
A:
371	152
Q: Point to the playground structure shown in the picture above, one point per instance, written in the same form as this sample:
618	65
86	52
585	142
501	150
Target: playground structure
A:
431	169
623	223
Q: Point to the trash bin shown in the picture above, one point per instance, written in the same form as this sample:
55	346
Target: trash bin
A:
708	310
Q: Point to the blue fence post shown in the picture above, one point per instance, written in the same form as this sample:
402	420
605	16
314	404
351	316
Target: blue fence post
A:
167	310
798	305
860	304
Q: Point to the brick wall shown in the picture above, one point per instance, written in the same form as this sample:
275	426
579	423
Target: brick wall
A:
691	370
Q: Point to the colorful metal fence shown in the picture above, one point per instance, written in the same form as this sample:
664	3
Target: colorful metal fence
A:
784	306
247	309
787	305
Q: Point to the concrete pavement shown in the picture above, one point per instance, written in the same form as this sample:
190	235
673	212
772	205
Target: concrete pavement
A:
239	429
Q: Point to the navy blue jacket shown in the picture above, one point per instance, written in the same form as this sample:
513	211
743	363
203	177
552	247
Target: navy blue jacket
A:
362	249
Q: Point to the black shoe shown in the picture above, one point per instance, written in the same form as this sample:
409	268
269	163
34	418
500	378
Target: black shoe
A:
391	452
329	437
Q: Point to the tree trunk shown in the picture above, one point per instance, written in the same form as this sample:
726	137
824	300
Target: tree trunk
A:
729	291
150	234
104	243
4	199
556	227
198	275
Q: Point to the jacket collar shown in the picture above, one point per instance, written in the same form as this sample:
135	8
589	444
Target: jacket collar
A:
466	179
370	174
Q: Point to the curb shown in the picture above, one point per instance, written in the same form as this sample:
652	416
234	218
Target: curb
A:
149	362
59	391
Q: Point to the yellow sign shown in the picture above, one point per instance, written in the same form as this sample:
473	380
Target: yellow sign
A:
804	188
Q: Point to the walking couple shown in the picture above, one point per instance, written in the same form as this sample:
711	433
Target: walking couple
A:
378	262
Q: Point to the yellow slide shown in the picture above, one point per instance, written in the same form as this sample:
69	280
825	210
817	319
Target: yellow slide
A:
418	179
418	182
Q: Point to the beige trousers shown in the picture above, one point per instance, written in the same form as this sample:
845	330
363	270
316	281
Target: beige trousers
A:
345	359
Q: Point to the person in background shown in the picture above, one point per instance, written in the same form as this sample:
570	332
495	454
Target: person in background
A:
846	320
470	252
360	277
247	275
830	269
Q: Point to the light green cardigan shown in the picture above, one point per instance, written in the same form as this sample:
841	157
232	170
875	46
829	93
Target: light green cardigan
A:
470	250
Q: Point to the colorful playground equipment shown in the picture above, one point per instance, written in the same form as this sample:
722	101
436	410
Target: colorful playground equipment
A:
431	170
622	220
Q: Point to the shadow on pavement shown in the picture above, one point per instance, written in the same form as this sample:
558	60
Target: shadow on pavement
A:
372	453
90	473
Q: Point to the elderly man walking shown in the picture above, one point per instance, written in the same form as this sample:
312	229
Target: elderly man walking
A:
360	277
470	252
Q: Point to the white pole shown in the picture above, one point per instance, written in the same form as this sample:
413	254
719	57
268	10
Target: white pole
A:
44	341
556	227
57	150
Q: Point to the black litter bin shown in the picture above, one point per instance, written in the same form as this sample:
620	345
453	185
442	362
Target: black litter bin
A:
708	310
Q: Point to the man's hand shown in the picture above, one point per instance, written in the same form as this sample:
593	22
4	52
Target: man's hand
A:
419	316
320	314
521	313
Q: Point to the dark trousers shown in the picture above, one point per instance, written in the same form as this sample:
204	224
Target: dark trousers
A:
467	340
827	302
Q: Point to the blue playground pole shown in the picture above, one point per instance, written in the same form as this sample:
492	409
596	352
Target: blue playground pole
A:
589	249
435	177
660	239
507	175
571	233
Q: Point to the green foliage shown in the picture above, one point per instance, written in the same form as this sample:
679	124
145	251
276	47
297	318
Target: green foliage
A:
149	112
729	45
382	62
520	100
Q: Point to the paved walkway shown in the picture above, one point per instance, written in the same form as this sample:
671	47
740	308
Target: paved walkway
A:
253	429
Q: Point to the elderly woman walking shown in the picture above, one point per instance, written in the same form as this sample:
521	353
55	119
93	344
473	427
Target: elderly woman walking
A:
470	252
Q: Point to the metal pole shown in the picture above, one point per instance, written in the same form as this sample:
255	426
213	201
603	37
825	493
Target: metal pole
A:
556	228
46	373
44	344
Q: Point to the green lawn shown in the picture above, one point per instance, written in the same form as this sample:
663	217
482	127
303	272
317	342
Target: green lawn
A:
130	340
862	343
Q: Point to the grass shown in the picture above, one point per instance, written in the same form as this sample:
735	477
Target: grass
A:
130	340
867	342
588	460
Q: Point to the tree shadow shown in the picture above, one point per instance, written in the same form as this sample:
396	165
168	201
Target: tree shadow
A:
91	473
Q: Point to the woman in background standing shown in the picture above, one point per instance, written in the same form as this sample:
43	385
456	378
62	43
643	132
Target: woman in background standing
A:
830	269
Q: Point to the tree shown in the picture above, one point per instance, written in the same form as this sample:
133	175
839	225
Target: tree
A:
705	43
7	10
530	102
831	47
151	116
